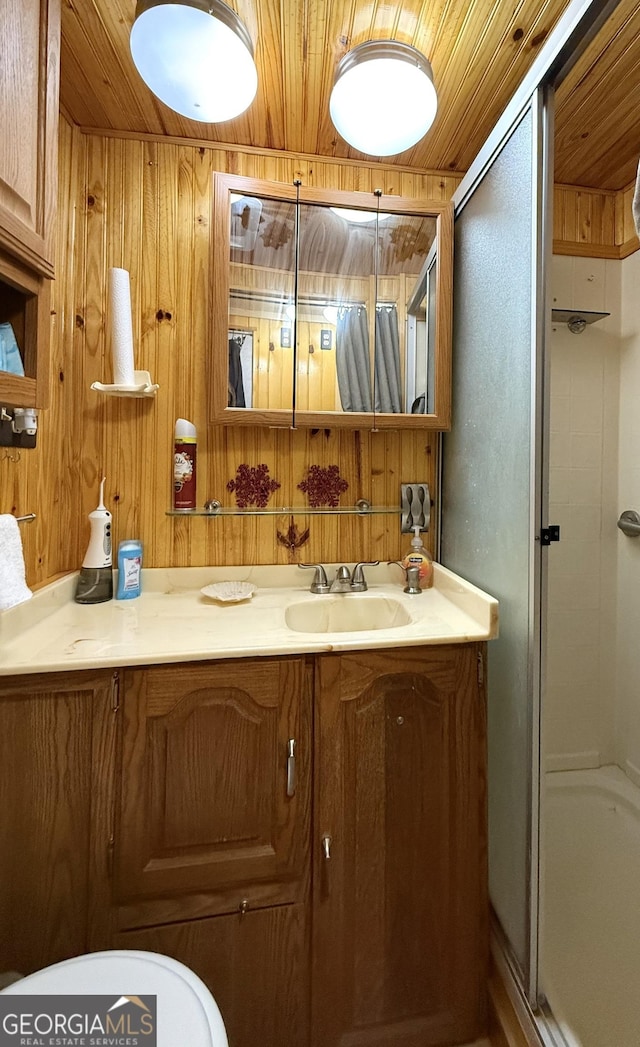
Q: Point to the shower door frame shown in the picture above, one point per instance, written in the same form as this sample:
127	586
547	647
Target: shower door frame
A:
538	107
574	31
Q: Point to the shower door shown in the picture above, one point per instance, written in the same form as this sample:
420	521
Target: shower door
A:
491	486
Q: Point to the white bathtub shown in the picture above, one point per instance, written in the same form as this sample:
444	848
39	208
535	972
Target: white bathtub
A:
590	927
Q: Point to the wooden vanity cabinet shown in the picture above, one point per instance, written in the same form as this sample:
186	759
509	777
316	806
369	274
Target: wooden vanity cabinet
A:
204	808
29	87
212	841
154	808
400	893
57	739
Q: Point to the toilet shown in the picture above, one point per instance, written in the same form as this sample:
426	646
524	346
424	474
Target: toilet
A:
186	1011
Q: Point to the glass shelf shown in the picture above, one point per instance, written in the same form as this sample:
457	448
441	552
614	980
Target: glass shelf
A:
291	510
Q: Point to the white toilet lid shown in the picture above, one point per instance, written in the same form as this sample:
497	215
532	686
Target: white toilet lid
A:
187	1012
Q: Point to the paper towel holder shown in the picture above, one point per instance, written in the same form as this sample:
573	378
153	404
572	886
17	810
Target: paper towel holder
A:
142	386
128	381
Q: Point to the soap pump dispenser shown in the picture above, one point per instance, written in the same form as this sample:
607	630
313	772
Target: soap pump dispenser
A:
421	558
95	581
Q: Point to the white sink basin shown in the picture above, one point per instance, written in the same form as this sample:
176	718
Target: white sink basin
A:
346	614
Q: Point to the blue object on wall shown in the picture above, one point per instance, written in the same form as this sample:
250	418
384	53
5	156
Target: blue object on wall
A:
10	359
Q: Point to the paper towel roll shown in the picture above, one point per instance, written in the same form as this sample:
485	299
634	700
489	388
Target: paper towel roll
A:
121	328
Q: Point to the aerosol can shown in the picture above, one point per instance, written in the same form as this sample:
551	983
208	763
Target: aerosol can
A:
95	582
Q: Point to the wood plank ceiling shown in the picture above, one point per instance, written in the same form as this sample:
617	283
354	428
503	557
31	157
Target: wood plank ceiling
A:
479	51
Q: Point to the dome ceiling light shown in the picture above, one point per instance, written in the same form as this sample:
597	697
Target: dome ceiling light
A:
383	99
196	56
359	217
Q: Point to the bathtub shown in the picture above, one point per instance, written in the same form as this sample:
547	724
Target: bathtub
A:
589	966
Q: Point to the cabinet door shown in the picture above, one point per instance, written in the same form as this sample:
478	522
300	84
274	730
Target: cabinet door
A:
56	772
254	964
29	74
207	805
400	914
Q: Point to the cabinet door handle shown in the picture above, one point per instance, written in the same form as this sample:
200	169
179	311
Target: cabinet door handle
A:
291	768
326	846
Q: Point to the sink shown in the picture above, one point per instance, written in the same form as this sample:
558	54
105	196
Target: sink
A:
346	614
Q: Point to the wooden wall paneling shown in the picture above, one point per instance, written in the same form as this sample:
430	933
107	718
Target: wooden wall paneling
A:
328	532
173	539
626	235
145	206
123	448
61	439
584	222
93	308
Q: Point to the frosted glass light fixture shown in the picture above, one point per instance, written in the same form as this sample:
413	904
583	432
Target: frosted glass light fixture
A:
359	217
196	56
383	99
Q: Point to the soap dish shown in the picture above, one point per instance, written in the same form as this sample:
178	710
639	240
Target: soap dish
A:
229	592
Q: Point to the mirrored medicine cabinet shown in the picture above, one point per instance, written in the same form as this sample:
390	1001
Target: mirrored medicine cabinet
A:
330	308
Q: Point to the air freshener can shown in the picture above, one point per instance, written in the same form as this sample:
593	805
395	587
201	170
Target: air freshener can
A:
184	466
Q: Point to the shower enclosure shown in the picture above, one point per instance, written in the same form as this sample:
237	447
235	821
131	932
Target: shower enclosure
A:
589	962
534	438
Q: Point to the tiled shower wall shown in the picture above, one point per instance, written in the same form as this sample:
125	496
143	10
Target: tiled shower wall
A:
585	390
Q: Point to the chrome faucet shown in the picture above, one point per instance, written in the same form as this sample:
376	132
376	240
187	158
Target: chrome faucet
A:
344	581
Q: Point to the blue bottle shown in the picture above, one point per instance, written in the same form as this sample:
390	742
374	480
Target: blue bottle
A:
129	569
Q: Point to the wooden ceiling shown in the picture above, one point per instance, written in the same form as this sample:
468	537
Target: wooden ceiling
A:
479	51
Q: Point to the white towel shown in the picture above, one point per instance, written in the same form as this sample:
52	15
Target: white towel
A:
13	586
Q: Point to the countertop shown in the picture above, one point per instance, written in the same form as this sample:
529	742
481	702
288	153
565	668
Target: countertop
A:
172	621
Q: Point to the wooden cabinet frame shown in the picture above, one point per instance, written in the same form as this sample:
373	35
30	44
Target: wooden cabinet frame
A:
221	413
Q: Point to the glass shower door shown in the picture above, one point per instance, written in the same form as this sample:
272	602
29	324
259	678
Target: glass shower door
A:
490	489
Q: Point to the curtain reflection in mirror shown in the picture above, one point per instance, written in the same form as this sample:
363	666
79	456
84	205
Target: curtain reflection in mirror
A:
352	358
388	396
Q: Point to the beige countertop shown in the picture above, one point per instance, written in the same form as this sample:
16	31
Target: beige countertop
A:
172	621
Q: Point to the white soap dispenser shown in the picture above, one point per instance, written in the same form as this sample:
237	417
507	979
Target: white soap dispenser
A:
95	581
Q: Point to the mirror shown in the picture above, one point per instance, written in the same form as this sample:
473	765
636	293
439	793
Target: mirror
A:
330	308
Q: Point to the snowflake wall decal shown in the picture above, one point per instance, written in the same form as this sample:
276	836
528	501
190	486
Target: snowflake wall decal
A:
323	486
252	486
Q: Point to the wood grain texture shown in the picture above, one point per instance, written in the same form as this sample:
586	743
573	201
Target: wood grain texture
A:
598	107
25	298
49	480
204	761
479	53
146	206
29	80
400	918
594	223
255	965
55	734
